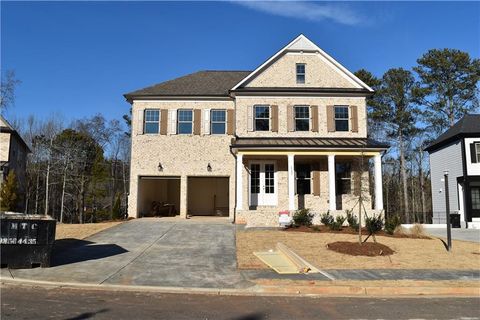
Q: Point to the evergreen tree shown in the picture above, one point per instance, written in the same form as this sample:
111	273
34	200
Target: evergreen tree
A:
9	193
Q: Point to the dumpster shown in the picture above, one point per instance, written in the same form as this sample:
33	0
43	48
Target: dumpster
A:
26	241
455	220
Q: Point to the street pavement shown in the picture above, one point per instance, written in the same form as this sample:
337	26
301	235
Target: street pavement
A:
75	304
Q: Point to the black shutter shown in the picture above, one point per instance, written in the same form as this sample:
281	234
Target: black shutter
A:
473	153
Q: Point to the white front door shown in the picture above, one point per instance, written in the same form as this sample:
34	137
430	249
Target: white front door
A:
263	183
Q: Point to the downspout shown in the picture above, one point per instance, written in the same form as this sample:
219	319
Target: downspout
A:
465	182
235	157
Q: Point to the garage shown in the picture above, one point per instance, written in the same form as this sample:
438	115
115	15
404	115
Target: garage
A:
208	196
158	196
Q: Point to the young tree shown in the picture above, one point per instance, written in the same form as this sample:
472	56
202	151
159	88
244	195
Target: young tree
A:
396	102
449	78
9	193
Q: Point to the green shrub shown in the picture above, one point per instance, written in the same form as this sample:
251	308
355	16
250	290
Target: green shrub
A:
327	219
374	224
352	220
391	224
338	223
303	217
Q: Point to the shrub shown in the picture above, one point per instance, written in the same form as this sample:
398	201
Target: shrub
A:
374	224
400	230
327	219
417	230
337	225
391	224
303	217
352	220
316	228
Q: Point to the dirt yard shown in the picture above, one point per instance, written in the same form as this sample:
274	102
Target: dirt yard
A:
81	231
409	253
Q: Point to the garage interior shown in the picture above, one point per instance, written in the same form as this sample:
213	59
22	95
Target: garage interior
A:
208	196
158	196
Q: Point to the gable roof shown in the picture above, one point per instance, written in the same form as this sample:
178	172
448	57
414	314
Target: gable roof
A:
6	127
201	83
302	43
468	126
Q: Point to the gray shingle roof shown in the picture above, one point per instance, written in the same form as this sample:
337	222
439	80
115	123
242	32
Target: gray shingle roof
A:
201	83
308	143
469	125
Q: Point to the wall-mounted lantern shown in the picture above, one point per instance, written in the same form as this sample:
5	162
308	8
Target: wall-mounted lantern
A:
160	167
209	167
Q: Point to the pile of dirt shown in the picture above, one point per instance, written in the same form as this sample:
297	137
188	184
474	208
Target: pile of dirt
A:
349	230
370	249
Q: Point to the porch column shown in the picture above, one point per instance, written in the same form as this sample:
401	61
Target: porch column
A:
378	183
239	181
183	196
331	183
291	182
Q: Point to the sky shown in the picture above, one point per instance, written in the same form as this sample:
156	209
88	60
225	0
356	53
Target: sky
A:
77	59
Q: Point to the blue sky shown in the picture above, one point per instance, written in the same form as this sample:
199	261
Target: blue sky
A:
78	58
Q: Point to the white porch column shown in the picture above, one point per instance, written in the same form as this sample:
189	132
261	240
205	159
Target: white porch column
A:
291	182
331	183
378	183
239	180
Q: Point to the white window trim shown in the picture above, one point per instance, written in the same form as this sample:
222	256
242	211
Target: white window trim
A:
212	122
178	121
149	121
254	117
304	73
347	118
309	118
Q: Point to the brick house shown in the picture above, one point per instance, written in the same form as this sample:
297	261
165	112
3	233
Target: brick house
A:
247	144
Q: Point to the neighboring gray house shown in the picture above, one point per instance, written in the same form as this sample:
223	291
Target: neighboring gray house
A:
458	151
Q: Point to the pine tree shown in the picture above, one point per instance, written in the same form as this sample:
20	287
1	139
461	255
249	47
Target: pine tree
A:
8	193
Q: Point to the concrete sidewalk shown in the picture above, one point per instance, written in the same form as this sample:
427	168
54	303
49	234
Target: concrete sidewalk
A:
472	235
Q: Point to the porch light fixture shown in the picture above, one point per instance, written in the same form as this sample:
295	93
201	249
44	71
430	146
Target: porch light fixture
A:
160	167
209	167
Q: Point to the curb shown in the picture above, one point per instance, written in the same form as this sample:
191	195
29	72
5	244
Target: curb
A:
270	290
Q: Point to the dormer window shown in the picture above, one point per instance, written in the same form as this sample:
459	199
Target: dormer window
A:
300	73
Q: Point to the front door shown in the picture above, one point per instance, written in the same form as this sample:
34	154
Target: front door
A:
263	183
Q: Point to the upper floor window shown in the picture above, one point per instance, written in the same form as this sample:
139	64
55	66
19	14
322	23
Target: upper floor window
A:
302	118
475	152
300	73
304	177
152	121
217	121
262	118
341	118
343	177
185	121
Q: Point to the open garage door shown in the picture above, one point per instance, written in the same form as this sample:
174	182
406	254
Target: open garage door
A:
158	196
208	196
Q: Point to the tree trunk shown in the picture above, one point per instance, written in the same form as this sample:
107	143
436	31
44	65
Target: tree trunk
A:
422	192
63	190
404	178
47	182
37	186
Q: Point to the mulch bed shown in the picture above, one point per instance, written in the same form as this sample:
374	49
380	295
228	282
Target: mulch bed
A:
370	249
348	230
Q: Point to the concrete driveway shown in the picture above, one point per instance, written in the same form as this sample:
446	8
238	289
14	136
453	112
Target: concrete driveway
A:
472	235
149	252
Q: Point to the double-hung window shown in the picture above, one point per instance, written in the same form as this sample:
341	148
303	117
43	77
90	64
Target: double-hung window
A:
343	175
477	148
341	118
185	121
304	177
217	121
152	121
300	73
302	118
262	118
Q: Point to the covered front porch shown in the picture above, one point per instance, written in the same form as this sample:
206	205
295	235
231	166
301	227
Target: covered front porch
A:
302	173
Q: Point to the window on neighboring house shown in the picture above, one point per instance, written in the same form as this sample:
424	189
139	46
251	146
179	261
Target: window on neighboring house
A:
304	177
343	178
300	73
185	121
475	192
217	121
302	118
262	118
341	118
477	148
152	121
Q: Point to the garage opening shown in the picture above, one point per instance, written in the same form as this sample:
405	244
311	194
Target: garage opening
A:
158	196
208	196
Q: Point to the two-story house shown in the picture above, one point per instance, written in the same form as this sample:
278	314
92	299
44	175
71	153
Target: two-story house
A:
248	144
13	156
457	151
